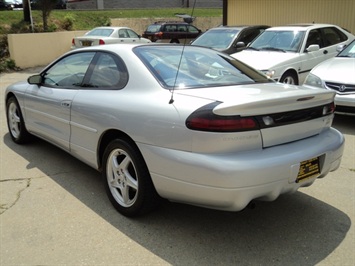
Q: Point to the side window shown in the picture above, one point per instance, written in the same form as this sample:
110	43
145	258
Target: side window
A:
108	72
182	28
332	36
314	37
123	33
70	71
192	29
132	34
249	35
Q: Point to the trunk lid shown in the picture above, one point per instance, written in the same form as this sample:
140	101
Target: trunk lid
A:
285	113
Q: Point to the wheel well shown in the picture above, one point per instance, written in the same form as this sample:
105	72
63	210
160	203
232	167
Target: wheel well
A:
294	74
106	138
8	96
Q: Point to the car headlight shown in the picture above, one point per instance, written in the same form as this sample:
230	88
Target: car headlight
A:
269	73
313	81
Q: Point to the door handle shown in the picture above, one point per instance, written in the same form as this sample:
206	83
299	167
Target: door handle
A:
65	104
325	52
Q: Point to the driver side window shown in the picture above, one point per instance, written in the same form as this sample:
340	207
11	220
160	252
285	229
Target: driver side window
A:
70	71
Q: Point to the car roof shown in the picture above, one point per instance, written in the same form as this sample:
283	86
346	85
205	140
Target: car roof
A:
239	26
301	26
110	28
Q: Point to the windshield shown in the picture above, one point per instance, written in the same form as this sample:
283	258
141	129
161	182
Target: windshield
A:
283	41
100	32
217	39
182	67
349	51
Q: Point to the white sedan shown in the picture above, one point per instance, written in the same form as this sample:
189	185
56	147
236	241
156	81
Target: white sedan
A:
184	123
288	53
337	74
108	35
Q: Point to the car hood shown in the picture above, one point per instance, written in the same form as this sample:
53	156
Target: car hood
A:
263	60
264	98
338	69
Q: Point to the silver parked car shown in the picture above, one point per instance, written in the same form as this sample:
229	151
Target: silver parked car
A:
189	124
337	74
107	35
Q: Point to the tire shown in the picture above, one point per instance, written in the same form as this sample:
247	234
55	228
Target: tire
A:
289	78
15	122
127	180
174	41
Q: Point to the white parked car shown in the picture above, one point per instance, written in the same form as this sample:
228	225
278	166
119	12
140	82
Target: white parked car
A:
337	74
184	123
108	35
288	53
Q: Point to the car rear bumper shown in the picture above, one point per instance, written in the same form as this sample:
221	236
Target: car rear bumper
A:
231	181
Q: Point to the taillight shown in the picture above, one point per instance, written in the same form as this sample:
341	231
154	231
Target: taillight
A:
73	42
101	42
203	119
158	34
329	108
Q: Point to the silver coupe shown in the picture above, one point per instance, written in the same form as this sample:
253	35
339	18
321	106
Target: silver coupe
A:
184	123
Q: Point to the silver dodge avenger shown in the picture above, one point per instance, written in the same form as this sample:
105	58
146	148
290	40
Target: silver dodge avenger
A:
184	123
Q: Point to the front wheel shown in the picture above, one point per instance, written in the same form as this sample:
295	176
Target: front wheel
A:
127	180
289	78
15	122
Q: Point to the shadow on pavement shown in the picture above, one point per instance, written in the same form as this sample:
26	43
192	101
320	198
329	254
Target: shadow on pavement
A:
295	229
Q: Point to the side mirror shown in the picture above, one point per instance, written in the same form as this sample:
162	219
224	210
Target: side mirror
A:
313	48
35	79
340	47
240	44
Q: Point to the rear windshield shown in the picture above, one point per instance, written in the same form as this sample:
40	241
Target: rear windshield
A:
217	38
186	67
100	32
153	28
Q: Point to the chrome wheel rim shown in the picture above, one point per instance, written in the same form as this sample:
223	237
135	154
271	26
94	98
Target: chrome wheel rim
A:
122	178
14	120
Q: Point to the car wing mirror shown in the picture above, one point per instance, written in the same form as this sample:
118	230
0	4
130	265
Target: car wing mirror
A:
240	44
340	47
35	79
313	48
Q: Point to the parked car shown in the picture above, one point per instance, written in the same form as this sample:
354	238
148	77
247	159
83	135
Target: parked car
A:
337	74
288	53
229	39
107	35
60	4
171	32
185	123
7	5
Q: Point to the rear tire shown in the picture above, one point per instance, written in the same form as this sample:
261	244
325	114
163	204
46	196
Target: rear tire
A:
15	122
127	180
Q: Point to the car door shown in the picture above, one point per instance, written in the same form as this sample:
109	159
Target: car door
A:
48	105
327	39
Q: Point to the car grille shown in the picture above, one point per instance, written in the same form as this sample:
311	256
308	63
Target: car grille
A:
341	88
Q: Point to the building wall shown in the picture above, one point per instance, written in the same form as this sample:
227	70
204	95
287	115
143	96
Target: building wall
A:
117	4
280	12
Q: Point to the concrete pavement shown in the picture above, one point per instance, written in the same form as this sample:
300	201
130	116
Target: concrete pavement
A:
53	210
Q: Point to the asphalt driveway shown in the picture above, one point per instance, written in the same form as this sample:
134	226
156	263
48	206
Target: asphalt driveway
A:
53	210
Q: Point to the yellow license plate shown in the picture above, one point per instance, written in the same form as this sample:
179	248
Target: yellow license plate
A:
308	169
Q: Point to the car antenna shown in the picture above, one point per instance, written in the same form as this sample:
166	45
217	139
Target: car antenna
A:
182	52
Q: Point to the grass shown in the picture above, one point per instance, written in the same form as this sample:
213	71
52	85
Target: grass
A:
85	20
